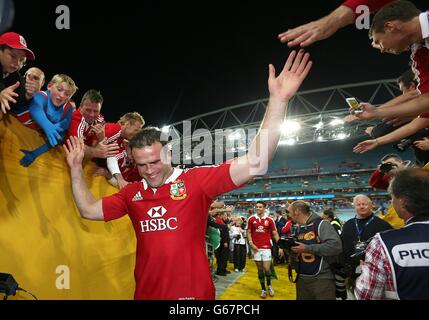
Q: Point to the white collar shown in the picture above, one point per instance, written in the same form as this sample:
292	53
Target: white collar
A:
424	24
176	173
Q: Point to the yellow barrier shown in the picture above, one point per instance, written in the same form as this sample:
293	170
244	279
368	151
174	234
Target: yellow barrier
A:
44	243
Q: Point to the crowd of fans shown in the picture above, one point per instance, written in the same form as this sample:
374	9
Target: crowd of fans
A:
53	114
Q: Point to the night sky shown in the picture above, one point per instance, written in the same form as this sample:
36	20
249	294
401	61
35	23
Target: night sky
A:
174	60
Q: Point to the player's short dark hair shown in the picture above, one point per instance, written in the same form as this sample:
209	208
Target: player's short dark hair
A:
262	202
399	10
93	96
412	186
147	137
408	78
390	156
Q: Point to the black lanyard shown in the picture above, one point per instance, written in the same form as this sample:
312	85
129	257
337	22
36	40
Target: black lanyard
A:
360	231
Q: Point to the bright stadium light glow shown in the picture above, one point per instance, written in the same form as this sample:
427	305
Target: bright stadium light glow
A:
320	138
288	142
236	135
290	127
342	135
319	125
336	122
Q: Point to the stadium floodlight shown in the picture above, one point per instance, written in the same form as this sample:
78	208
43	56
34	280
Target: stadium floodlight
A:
290	127
336	122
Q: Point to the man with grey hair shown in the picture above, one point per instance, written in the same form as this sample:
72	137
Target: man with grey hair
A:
397	262
357	231
317	241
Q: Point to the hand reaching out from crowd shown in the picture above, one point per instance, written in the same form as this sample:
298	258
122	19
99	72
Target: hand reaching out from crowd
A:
104	150
365	146
8	95
318	30
98	129
422	144
365	111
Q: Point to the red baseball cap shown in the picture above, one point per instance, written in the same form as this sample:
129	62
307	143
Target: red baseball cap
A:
16	41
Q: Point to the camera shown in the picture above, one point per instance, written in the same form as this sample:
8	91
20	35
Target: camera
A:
360	250
237	237
387	167
404	144
287	243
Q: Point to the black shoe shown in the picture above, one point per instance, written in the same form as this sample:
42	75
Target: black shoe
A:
227	272
221	273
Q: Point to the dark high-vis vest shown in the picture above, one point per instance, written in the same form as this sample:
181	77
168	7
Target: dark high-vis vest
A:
408	250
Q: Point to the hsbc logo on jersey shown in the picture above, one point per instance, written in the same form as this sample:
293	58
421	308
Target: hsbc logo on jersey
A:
157	222
157	212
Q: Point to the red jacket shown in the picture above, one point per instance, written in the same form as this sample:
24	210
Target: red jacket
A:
379	180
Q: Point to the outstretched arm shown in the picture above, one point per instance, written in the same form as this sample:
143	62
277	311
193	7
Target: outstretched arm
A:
325	27
263	147
318	30
89	208
38	114
415	105
398	134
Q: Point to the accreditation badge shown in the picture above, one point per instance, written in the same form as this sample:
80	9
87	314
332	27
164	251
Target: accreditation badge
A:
178	190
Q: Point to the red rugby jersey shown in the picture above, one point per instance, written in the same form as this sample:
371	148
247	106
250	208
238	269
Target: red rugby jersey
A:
170	224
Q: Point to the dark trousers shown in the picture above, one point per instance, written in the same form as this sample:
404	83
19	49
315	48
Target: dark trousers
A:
239	256
221	258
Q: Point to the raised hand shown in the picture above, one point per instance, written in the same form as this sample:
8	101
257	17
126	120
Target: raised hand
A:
365	146
286	84
366	111
31	87
99	130
104	151
7	95
74	151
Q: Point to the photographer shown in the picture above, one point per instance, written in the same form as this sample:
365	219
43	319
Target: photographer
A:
381	176
317	242
356	233
392	273
380	179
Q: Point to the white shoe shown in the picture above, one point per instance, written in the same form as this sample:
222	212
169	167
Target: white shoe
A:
271	291
236	270
263	294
